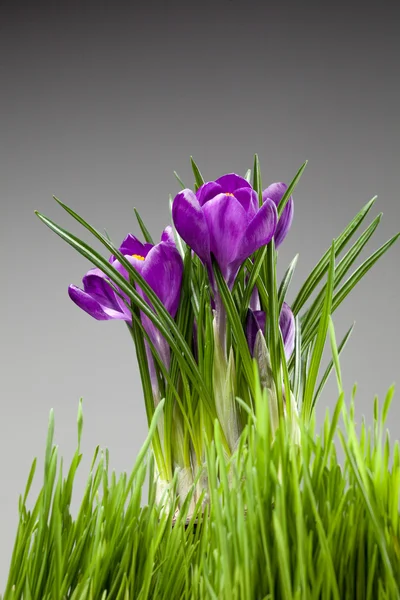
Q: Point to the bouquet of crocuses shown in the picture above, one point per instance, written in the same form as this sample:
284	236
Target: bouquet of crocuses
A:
200	304
231	375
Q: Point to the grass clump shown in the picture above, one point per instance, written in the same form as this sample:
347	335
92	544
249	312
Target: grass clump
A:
280	520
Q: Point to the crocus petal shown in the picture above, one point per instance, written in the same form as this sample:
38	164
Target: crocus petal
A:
261	319
95	285
226	221
87	303
207	191
167	235
284	223
287	327
130	246
163	270
249	200
275	192
259	231
255	299
255	322
232	182
191	224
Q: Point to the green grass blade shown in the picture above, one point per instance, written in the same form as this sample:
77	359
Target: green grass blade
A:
330	366
352	281
322	266
257	183
335	355
320	341
287	278
183	186
235	322
143	228
198	177
341	269
291	187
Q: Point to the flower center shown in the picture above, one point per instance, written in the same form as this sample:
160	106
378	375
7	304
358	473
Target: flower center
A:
228	194
138	256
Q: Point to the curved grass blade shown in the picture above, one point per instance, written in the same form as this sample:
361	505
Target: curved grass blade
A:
331	364
254	273
335	355
273	331
143	228
320	341
291	188
346	288
183	186
257	183
236	324
322	266
198	177
283	288
341	269
297	363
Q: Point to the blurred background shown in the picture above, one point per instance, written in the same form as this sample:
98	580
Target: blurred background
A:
100	102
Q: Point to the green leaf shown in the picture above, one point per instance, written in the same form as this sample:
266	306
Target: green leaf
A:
320	341
387	403
346	288
341	269
322	266
29	482
144	230
273	331
335	355
183	186
198	177
257	183
235	322
283	288
254	273
291	187
297	363
331	364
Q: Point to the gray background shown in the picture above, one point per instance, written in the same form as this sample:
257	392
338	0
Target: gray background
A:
99	104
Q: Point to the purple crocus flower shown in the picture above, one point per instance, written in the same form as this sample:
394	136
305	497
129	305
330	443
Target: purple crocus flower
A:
223	218
256	321
160	266
275	193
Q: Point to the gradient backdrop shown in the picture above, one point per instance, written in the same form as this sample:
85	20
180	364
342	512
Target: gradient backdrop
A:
99	104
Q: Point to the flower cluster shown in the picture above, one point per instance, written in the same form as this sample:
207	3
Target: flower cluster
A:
212	328
224	221
222	218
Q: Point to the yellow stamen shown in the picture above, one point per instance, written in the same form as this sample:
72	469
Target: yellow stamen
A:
228	194
138	256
